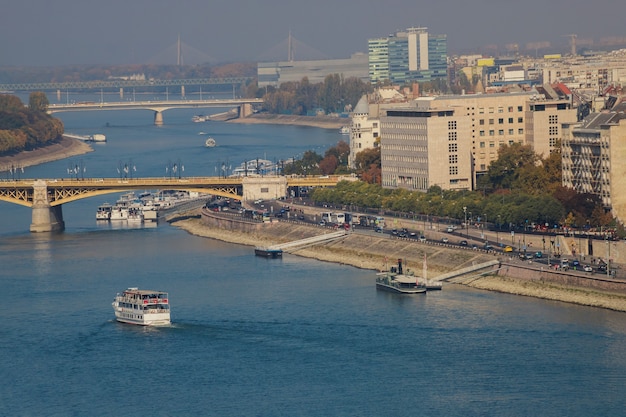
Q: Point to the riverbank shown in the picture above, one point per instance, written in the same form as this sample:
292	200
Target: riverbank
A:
64	148
322	122
370	252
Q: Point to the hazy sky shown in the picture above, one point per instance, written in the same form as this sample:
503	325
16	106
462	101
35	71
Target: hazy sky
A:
62	32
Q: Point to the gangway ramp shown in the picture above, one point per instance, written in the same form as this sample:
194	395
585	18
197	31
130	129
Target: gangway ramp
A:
309	241
460	275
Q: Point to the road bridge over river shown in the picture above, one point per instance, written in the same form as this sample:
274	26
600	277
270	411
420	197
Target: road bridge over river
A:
46	196
245	106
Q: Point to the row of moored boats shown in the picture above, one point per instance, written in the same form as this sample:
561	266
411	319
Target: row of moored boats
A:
139	209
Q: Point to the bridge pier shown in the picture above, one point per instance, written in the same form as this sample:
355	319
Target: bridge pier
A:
45	218
158	118
264	188
245	110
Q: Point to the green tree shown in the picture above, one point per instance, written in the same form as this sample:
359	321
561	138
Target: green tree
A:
504	171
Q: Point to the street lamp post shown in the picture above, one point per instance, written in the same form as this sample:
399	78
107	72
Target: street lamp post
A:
465	213
497	231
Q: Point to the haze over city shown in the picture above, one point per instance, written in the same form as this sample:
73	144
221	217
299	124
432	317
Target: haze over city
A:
63	32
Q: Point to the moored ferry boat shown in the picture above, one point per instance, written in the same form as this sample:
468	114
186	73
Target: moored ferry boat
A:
142	307
104	212
395	281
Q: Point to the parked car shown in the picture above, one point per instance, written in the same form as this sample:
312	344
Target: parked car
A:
450	229
487	247
463	243
587	268
507	249
444	240
538	254
422	238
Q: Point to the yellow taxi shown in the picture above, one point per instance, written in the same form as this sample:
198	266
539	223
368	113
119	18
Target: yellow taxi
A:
507	249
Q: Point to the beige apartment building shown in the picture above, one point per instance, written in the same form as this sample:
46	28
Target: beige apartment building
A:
449	140
365	125
593	156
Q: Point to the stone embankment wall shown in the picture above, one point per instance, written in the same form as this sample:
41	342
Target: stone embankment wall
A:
532	272
222	221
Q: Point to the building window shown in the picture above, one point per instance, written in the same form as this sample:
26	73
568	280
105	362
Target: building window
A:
500	110
520	131
454	170
553	119
511	131
501	132
520	108
481	110
520	120
452	147
482	144
510	120
510	109
451	136
452	125
481	122
375	125
453	159
483	167
481	133
490	121
492	144
500	121
492	133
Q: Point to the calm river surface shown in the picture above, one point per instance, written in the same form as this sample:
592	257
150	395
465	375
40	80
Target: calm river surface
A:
258	337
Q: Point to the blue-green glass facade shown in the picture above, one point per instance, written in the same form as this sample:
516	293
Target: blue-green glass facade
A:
389	59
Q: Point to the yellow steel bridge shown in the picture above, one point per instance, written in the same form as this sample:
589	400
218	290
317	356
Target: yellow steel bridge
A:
46	196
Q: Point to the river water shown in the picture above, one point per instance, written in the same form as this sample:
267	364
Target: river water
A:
259	337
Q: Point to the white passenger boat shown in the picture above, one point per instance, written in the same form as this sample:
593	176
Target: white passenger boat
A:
210	142
104	212
119	213
97	137
143	307
135	214
397	282
199	118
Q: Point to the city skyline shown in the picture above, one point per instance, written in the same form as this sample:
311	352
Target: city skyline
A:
68	32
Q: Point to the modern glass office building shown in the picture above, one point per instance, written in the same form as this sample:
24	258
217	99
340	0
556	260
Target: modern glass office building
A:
410	56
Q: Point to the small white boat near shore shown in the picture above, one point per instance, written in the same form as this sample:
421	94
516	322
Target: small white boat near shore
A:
97	137
210	142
